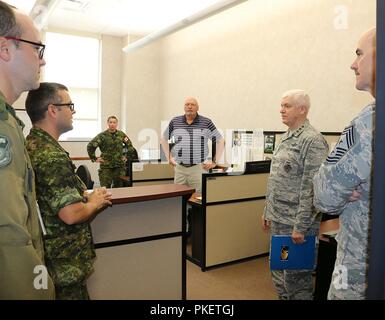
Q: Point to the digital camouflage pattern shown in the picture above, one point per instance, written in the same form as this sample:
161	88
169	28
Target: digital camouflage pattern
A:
21	245
289	199
74	292
348	168
111	177
69	250
296	159
115	149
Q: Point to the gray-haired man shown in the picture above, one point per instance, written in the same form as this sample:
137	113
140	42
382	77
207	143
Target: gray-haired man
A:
289	202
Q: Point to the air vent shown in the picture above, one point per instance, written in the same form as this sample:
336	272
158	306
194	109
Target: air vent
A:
74	5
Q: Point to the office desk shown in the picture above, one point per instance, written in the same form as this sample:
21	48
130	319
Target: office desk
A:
226	223
151	173
140	244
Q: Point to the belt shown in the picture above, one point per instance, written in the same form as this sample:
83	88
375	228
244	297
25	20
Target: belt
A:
187	165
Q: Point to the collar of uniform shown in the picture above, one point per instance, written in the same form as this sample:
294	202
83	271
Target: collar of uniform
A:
3	107
111	133
45	135
302	127
196	119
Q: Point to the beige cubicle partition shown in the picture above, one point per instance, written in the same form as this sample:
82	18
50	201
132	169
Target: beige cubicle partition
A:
151	173
233	229
140	245
226	224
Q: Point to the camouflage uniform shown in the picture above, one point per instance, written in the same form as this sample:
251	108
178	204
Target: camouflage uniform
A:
21	246
114	147
69	250
347	168
289	200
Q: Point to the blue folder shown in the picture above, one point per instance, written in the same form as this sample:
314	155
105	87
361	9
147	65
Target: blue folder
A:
285	254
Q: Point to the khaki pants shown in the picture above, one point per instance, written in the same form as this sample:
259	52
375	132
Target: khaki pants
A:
189	176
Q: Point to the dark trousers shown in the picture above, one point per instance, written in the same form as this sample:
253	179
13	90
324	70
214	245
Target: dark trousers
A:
325	265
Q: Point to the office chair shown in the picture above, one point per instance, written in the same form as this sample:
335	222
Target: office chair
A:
84	174
128	167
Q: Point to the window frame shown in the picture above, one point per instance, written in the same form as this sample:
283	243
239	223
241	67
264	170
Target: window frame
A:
73	88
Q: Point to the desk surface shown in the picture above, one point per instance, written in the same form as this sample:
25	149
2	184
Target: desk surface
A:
147	193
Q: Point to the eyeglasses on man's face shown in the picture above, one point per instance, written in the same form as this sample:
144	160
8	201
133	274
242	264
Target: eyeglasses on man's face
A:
38	46
70	105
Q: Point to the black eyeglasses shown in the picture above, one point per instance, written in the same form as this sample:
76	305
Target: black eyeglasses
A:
69	105
40	49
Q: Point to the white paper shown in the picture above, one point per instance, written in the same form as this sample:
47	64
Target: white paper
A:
137	166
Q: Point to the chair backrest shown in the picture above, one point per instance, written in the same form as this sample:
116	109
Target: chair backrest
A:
84	174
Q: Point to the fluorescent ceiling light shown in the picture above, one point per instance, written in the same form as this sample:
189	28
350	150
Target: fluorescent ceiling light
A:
182	22
154	14
42	10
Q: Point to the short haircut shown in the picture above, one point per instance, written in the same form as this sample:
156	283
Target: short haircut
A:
38	100
300	97
8	23
112	117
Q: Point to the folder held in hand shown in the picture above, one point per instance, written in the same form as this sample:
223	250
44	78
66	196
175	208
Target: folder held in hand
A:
285	254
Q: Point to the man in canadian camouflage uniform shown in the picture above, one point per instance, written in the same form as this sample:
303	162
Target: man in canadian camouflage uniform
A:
21	245
289	202
65	208
116	148
342	185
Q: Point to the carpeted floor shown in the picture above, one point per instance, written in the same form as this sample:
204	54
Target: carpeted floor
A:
248	280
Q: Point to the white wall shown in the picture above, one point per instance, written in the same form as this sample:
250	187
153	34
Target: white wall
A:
111	78
239	62
142	90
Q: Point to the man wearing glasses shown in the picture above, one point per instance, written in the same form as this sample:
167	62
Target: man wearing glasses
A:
22	275
65	208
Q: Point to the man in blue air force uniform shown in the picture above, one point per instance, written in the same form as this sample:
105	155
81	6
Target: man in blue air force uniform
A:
342	185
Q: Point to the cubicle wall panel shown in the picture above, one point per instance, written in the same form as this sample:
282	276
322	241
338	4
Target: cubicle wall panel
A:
148	171
233	232
139	219
148	270
224	188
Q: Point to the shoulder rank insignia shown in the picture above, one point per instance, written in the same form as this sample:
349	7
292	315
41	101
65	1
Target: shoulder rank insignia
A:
5	152
345	142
